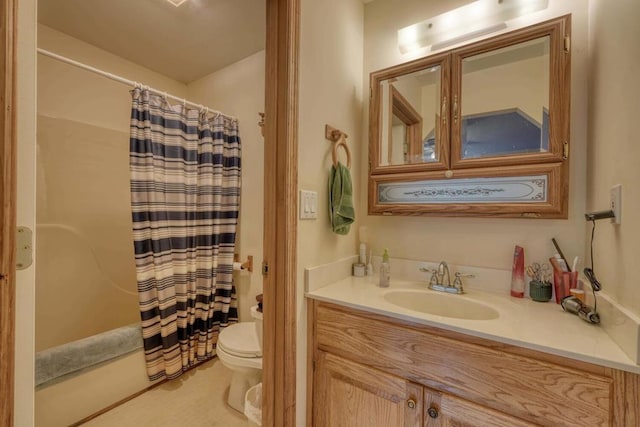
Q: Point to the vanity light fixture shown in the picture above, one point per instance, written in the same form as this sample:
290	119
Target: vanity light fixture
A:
176	3
467	22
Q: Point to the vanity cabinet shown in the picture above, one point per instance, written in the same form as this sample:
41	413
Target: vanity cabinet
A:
370	370
352	394
357	395
481	130
443	410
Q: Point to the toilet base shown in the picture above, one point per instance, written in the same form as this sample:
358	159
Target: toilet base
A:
240	383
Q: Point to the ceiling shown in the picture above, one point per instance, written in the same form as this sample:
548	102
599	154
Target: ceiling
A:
183	43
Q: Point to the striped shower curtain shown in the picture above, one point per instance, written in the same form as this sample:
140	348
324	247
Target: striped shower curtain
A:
185	195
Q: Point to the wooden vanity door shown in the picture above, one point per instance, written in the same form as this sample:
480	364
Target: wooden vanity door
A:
443	410
347	394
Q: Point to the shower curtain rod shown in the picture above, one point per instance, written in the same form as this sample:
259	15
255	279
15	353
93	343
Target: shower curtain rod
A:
126	81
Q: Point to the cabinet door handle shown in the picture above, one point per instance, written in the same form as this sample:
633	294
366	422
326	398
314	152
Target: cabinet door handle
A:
444	111
411	403
455	109
433	412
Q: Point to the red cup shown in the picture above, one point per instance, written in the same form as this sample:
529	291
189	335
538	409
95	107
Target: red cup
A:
566	283
574	280
558	286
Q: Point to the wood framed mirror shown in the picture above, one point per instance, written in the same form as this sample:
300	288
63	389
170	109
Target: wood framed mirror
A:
481	130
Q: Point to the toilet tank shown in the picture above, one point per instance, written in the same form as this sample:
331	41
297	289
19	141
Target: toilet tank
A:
257	316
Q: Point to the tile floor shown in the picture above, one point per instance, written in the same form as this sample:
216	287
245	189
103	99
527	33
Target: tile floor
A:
197	399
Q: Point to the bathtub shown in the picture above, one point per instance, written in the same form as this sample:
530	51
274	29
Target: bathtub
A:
88	342
80	293
71	398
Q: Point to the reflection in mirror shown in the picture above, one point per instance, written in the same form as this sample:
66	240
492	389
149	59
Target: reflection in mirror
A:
410	117
505	107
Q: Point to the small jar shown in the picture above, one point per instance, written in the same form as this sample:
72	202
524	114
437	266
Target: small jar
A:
359	269
540	291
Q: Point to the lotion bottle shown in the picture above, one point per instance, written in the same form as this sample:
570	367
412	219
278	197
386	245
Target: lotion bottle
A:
363	253
517	273
385	271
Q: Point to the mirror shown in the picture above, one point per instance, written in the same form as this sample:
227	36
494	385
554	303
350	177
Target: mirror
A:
480	130
505	102
411	117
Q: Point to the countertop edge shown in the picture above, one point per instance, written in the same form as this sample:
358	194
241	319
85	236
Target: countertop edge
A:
630	367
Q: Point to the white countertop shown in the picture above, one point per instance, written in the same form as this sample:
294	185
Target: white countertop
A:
522	322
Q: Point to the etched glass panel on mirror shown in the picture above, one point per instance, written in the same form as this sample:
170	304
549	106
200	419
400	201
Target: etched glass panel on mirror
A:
505	102
410	117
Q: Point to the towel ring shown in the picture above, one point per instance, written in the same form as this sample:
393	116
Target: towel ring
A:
334	155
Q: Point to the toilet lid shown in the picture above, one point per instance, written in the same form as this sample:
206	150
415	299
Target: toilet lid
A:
240	340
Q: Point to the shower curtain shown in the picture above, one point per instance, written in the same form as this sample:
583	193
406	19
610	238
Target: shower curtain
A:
185	195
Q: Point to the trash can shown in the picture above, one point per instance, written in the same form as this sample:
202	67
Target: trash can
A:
253	405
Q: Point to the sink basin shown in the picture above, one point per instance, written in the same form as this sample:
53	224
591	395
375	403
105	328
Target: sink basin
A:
440	304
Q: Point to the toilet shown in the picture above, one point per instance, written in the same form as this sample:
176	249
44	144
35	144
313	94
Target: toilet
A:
239	348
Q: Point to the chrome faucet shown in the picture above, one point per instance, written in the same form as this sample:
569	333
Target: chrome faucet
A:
443	269
441	280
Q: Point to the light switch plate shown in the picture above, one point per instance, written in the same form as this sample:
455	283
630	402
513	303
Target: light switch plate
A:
616	203
308	204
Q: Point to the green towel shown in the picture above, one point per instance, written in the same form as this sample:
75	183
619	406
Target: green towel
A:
341	211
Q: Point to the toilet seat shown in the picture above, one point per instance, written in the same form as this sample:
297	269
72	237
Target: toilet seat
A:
240	340
238	363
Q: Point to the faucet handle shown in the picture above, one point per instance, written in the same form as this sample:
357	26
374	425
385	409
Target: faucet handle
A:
469	275
434	274
457	282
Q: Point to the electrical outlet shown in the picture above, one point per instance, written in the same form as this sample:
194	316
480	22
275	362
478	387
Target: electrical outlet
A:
616	203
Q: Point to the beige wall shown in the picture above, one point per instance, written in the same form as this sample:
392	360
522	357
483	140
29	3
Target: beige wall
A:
82	191
495	88
430	106
331	92
478	242
86	265
238	90
26	215
83	185
614	153
68	92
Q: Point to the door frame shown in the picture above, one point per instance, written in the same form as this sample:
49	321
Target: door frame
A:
280	185
280	213
8	192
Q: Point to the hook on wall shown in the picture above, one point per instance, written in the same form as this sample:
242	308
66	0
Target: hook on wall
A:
339	139
261	123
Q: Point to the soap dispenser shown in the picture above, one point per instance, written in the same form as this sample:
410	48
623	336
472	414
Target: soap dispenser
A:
385	271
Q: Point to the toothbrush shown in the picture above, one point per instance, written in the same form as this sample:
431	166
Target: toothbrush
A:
562	263
560	253
370	263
